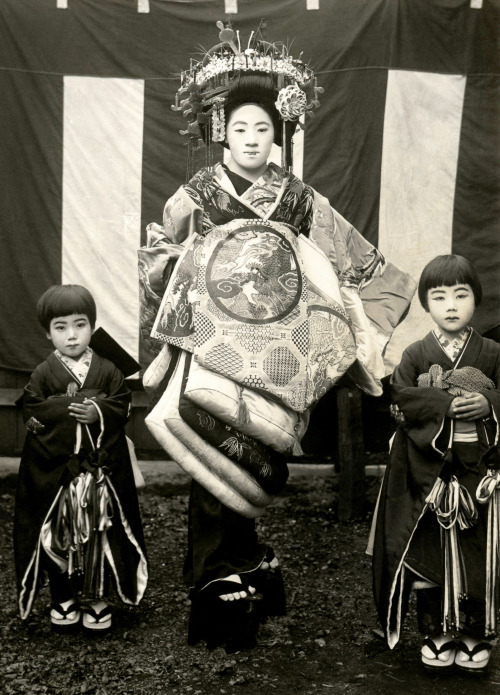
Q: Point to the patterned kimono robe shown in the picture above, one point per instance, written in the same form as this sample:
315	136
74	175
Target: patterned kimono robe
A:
48	465
375	295
407	534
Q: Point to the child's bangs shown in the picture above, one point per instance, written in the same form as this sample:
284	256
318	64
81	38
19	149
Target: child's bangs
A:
448	276
65	300
446	271
69	303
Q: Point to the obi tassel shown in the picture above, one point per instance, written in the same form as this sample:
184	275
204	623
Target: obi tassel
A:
243	415
453	506
488	492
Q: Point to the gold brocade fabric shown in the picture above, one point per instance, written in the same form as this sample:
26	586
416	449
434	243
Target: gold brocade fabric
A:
250	301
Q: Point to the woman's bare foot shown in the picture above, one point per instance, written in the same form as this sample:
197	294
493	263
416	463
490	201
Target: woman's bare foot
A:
265	565
472	657
237	595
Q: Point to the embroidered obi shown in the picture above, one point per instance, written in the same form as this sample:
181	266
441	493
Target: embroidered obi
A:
260	305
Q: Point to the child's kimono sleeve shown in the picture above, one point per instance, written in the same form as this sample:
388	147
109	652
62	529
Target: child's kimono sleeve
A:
113	407
424	408
46	415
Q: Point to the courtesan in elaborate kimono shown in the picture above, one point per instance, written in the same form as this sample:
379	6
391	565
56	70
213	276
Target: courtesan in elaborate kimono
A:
77	515
253	294
437	528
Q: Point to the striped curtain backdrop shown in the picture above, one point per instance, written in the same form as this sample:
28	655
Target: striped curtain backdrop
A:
405	145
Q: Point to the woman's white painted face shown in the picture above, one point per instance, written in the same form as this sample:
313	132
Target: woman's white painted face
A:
250	136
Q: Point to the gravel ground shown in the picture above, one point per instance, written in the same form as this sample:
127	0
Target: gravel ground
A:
328	643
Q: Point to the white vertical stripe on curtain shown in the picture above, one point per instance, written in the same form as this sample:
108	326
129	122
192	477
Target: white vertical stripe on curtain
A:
421	140
102	163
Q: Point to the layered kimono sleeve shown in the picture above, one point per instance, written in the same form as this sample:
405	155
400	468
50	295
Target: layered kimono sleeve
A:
181	218
424	408
376	294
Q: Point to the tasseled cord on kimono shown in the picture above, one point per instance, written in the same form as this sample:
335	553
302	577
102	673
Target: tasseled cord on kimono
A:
75	533
488	492
453	506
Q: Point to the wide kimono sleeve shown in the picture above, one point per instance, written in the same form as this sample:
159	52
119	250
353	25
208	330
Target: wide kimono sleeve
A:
181	218
424	408
489	363
48	420
376	294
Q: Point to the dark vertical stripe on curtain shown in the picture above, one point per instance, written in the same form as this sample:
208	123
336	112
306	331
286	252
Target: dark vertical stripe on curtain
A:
476	214
163	151
343	145
31	123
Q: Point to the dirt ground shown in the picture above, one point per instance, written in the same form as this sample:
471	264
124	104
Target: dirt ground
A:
327	643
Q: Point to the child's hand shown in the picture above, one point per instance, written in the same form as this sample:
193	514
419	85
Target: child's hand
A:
85	412
471	407
451	408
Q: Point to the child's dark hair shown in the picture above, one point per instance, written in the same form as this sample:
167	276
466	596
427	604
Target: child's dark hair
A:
64	300
448	270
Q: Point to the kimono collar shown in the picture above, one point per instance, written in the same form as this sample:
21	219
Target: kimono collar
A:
264	195
79	368
452	348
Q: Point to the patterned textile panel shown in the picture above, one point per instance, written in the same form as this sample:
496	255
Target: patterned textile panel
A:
263	463
268	421
262	307
232	486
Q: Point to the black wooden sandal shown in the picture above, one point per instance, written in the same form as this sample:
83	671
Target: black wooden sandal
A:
232	625
269	583
222	587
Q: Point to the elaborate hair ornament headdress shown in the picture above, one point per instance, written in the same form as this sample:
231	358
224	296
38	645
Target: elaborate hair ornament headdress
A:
206	85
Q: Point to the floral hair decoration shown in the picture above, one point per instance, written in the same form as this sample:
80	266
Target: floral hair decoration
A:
206	85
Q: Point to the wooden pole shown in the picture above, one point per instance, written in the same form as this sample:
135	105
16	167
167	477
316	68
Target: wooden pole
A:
351	454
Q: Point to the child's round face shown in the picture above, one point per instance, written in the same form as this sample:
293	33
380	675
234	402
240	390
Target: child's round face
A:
451	307
250	136
70	334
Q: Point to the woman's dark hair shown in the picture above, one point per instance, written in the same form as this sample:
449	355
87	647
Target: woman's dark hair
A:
257	89
64	300
446	271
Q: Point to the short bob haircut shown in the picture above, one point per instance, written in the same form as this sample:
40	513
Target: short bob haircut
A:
446	271
64	300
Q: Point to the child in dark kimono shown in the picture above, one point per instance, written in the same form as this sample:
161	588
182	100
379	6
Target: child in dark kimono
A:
437	526
77	514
